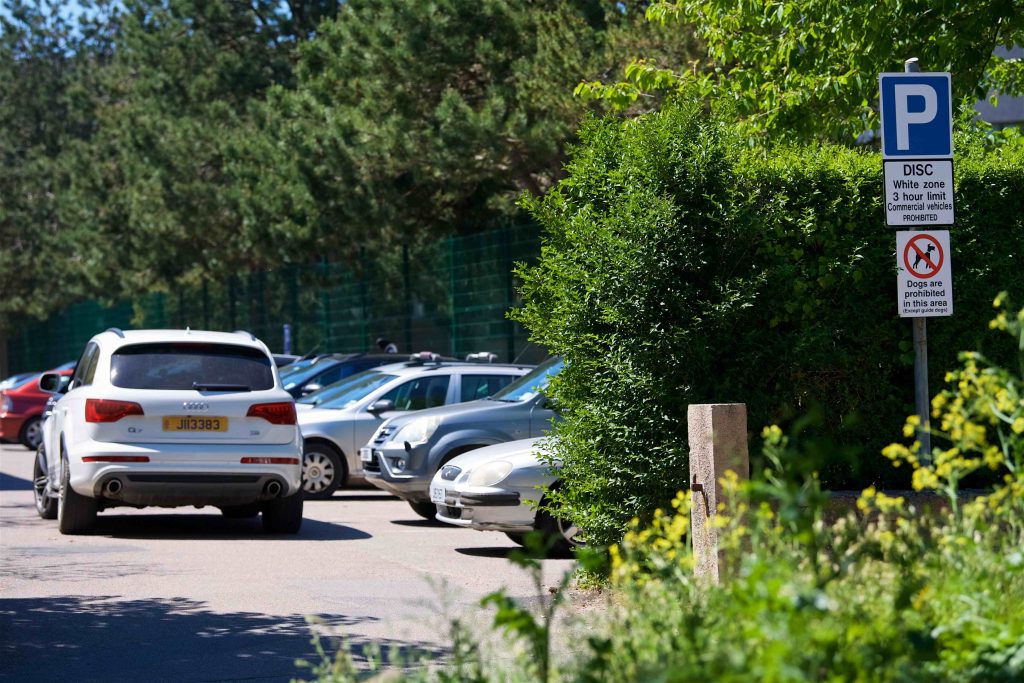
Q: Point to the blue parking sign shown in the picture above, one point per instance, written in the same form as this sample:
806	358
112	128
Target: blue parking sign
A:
917	115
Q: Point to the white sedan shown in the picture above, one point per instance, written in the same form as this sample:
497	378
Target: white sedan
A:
499	488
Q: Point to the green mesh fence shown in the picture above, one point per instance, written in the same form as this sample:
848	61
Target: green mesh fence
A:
450	296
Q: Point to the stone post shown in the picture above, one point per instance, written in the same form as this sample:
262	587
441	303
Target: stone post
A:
718	442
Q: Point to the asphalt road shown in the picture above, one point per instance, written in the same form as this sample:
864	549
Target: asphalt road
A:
186	595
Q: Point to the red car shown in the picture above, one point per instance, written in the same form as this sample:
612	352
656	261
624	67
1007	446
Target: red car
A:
21	408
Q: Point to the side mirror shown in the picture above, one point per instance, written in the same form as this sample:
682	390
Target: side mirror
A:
310	388
53	383
382	406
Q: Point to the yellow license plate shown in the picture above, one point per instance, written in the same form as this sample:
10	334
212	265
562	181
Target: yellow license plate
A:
191	423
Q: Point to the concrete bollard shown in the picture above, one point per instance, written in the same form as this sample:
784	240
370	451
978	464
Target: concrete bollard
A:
718	442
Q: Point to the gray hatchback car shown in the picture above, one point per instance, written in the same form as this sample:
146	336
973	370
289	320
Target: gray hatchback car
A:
407	450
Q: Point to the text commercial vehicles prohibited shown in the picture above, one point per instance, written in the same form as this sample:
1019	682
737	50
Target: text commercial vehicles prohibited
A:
925	281
917	147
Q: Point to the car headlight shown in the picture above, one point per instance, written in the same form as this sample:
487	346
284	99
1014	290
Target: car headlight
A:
417	431
489	474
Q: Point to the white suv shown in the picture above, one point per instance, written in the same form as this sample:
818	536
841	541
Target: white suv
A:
171	418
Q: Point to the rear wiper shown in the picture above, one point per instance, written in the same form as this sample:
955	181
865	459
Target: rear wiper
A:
202	386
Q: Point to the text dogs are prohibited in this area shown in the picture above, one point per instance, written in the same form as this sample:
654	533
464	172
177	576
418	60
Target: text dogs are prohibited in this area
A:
925	280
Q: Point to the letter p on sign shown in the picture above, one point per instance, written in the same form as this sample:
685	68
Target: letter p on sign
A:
917	115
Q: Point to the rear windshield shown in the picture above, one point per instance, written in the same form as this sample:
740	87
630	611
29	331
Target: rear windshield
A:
180	366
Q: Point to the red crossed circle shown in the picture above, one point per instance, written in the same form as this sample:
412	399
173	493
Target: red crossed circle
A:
933	263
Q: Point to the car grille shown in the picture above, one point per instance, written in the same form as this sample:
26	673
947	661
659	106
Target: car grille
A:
452	513
450	472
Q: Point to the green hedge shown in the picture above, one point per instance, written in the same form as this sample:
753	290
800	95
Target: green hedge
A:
683	266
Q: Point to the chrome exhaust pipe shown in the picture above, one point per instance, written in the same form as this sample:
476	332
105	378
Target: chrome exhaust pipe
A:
272	489
112	487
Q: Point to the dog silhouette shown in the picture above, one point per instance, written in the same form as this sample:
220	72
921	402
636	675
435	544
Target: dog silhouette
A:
922	257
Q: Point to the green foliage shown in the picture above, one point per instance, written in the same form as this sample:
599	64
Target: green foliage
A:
159	178
808	68
409	122
195	142
47	67
681	266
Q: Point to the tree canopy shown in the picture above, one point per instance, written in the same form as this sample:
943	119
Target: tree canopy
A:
807	69
160	142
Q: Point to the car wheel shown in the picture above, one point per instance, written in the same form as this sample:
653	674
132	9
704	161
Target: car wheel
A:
283	515
31	434
76	514
563	535
240	511
46	505
322	471
425	510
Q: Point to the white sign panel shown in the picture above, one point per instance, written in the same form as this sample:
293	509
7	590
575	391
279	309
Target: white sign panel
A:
919	192
924	285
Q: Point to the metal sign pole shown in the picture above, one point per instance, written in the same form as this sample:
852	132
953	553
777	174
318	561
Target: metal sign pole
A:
922	401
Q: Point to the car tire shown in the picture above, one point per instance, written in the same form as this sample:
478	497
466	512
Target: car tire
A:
240	511
31	433
323	471
76	514
561	535
425	510
46	505
283	515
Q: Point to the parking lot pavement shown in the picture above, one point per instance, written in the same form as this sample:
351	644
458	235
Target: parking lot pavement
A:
187	595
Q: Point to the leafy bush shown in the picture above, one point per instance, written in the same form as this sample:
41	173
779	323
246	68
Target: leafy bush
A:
682	266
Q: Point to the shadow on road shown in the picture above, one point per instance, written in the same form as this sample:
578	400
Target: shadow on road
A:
215	526
497	553
11	483
419	523
77	638
354	498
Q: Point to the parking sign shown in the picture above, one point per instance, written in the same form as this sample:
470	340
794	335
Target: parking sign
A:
917	115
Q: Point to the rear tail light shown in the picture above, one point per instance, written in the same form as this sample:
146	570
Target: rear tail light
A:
104	410
275	413
116	458
270	461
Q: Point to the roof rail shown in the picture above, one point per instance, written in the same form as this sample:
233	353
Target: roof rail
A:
117	331
247	333
482	357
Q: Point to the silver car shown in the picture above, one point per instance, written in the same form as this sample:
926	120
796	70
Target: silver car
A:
499	488
340	418
408	450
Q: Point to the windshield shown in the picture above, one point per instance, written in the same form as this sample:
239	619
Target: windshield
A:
295	366
348	392
294	378
528	386
17	381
